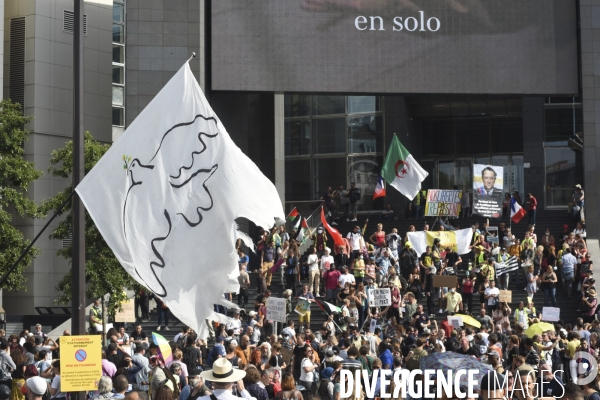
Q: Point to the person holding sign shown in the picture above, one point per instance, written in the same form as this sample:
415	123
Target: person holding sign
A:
453	301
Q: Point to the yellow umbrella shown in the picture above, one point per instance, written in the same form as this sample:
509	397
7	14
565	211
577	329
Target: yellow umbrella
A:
538	329
467	319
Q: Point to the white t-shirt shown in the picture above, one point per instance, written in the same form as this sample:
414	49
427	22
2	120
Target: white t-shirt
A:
306	376
490	291
346	278
235	324
56	385
325	259
288	331
313	262
354	239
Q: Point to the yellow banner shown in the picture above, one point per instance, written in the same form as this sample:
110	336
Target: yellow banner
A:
447	239
80	363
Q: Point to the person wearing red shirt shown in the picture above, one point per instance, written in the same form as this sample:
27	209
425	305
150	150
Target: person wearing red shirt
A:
331	278
532	203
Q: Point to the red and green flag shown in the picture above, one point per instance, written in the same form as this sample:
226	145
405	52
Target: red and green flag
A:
402	171
293	214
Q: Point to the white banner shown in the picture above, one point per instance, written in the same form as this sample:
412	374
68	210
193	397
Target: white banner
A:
420	240
276	309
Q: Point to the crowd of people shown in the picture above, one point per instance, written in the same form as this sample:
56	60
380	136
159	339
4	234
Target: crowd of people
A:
252	357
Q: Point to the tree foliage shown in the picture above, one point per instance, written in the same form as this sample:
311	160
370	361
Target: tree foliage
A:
16	174
103	273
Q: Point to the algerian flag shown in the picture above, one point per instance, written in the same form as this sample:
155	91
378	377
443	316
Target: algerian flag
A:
402	171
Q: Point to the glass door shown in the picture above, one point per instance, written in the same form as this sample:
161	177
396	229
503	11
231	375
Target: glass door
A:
446	174
464	173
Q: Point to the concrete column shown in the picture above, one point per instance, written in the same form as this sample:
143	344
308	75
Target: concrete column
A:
589	11
280	147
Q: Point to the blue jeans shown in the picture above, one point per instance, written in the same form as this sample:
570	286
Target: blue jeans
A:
532	217
161	312
550	293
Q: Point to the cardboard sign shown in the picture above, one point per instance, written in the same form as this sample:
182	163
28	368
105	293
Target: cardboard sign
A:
276	309
505	296
455	322
551	314
127	313
302	306
443	203
444	281
373	325
380	297
80	362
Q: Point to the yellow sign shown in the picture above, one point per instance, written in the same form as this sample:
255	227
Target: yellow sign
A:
447	239
80	363
128	312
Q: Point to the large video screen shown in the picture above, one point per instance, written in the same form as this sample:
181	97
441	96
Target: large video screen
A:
395	46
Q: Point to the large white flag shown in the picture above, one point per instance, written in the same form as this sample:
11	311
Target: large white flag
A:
165	198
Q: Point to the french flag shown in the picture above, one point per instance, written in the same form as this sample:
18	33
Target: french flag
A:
516	211
380	188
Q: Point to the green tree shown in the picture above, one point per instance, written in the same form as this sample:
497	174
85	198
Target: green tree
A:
103	272
16	174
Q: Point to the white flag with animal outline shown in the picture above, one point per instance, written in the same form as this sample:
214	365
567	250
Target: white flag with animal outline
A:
165	198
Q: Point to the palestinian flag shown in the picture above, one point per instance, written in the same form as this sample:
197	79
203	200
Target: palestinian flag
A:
402	171
293	214
302	225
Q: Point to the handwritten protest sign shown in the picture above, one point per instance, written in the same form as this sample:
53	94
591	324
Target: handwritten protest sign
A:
444	281
551	314
380	297
276	309
443	203
505	296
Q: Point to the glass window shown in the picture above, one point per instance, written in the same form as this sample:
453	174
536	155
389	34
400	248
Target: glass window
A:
117	96
446	174
502	161
297	138
118	13
507	135
118	116
482	160
441	136
328	172
472	135
297	183
363	104
464	173
562	123
118	75
516	177
430	181
324	105
329	135
561	173
365	134
296	105
118	34
118	54
364	171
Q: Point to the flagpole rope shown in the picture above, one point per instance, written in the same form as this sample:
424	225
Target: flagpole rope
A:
24	253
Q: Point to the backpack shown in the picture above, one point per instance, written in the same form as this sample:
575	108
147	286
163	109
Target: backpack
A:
188	359
182	342
415	361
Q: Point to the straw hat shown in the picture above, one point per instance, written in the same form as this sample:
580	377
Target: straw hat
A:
223	371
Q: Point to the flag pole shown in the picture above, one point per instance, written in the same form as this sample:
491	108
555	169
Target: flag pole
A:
78	299
78	262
